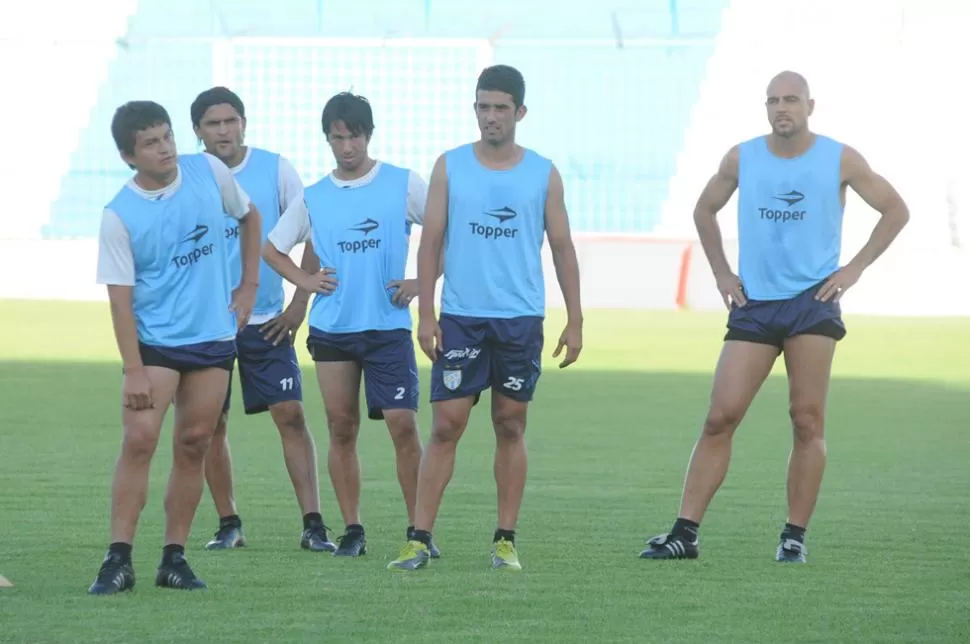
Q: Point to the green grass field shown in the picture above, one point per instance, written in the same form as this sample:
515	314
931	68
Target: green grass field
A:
609	440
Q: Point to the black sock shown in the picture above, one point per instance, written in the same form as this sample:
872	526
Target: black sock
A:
686	529
121	549
508	535
169	552
410	531
421	535
355	528
231	521
312	520
792	531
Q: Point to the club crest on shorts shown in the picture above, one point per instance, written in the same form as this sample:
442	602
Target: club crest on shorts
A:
451	378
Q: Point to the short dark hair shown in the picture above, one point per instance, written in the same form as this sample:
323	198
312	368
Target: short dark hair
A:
503	78
133	117
215	96
353	110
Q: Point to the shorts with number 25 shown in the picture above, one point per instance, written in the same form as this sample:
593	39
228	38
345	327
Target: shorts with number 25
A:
480	353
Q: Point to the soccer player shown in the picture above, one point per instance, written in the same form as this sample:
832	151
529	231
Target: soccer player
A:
489	204
163	256
268	369
785	299
359	220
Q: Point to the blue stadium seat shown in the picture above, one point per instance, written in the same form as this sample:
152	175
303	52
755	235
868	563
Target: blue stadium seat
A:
613	119
172	73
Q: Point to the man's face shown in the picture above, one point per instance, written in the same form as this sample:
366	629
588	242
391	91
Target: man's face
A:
788	107
349	149
497	116
154	152
222	131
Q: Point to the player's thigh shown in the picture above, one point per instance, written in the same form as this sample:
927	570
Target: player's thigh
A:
741	369
338	375
814	329
142	427
808	360
516	346
268	374
509	416
390	373
199	401
463	368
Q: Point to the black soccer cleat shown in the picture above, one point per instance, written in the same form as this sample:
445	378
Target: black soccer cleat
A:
177	574
432	549
115	576
226	538
791	551
352	543
315	539
669	546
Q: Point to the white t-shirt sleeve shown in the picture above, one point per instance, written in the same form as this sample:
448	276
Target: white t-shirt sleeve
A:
417	197
291	186
116	263
235	201
293	227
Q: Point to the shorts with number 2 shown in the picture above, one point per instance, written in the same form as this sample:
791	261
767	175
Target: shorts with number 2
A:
386	359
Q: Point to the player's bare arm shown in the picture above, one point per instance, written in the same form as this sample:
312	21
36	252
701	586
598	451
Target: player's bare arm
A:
322	281
893	216
293	228
567	268
244	297
309	264
137	390
236	204
405	290
408	289
430	259
713	198
288	322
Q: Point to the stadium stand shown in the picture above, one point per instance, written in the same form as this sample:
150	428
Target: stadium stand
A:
609	93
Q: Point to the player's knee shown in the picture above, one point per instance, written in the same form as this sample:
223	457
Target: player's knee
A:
722	420
450	420
510	428
193	441
807	421
447	428
139	441
343	427
402	424
289	417
448	433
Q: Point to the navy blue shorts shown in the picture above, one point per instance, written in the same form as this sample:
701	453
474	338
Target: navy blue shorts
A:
268	374
479	353
774	321
386	359
189	357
